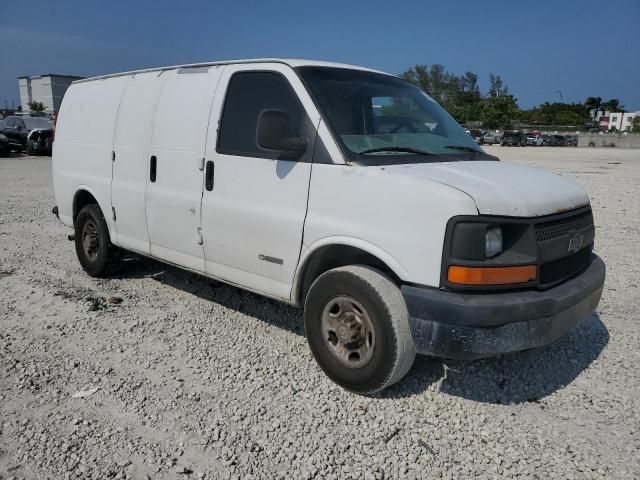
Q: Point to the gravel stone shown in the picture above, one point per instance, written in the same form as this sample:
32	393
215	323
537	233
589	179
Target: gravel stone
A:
202	380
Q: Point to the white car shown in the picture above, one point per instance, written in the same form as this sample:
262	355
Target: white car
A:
534	139
345	191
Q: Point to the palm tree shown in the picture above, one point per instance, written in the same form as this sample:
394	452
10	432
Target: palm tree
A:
593	104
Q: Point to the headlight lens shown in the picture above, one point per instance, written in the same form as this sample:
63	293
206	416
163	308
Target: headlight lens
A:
3	137
493	242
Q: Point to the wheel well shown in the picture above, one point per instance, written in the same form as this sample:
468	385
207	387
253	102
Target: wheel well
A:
80	200
334	256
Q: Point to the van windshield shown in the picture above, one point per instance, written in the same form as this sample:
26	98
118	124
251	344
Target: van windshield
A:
379	118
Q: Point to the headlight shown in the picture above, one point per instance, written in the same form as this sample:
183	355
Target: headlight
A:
3	137
493	242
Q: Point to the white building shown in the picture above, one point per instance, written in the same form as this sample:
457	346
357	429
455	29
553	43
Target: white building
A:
48	89
618	120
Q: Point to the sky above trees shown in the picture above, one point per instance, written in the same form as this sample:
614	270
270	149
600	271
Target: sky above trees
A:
574	48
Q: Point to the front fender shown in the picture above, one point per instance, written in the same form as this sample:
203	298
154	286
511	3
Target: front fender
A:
378	252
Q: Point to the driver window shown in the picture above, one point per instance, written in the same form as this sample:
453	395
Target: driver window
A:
248	94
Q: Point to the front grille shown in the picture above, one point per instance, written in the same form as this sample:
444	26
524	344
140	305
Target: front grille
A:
557	228
565	267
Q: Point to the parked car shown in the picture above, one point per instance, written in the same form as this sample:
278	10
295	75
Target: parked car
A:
513	138
534	139
30	134
558	141
276	183
39	141
477	136
571	140
5	146
492	138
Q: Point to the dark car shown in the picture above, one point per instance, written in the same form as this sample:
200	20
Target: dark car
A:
31	134
5	147
40	142
559	140
513	138
477	135
571	140
553	140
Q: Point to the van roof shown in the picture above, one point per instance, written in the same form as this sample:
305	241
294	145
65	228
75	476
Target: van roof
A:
291	62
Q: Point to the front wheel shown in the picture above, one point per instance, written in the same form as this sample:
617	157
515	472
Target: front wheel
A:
357	326
98	257
29	148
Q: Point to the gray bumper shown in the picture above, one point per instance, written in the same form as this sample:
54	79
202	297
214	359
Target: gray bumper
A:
476	325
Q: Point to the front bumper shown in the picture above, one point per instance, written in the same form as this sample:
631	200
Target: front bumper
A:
477	325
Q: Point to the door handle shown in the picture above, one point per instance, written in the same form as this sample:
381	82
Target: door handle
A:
153	168
208	176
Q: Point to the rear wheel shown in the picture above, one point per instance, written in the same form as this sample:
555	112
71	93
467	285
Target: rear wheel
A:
357	327
95	252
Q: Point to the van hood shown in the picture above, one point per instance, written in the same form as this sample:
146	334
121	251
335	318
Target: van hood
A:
501	188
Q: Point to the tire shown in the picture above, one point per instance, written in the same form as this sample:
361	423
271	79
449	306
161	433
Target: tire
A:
28	148
98	257
387	345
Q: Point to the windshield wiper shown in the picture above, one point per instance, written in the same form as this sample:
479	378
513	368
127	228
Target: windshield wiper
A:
463	148
396	149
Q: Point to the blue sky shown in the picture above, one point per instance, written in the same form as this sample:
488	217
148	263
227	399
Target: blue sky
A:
581	48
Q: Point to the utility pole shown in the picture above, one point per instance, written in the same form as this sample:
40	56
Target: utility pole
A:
561	99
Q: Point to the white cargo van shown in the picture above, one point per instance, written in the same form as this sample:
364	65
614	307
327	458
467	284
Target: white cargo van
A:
342	190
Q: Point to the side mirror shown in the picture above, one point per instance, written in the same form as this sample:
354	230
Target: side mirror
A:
273	132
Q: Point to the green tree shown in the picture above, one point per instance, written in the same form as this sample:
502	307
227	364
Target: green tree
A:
496	86
36	107
556	113
499	112
593	103
458	94
612	105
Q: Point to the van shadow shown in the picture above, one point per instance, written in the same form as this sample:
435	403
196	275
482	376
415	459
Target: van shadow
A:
510	379
256	306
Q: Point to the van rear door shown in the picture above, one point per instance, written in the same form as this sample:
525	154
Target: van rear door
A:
255	201
174	174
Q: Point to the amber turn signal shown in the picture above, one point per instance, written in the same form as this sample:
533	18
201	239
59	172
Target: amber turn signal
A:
491	275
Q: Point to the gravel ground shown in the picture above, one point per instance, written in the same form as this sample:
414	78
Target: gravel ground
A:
197	379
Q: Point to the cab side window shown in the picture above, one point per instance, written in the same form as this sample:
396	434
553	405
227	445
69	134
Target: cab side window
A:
248	94
10	123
